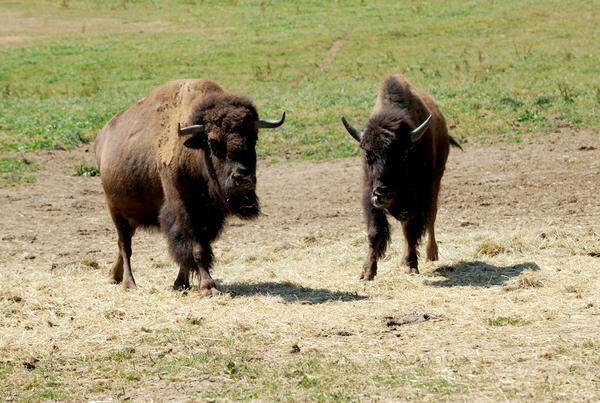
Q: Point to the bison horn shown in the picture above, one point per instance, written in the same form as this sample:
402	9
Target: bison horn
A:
269	124
193	129
353	132
416	134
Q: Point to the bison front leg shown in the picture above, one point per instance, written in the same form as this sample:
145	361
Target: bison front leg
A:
203	257
182	282
378	231
432	248
413	230
121	270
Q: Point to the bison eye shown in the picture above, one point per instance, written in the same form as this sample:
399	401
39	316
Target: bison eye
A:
217	148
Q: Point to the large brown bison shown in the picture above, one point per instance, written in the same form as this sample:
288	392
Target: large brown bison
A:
182	159
405	144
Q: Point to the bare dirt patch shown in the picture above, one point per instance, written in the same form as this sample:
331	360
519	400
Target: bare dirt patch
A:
20	27
516	324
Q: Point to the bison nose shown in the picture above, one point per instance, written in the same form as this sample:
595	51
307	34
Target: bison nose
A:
380	191
243	177
243	171
380	196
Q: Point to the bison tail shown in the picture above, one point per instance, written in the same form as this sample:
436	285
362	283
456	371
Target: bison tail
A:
455	143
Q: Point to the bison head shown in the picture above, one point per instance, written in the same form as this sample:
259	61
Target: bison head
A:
226	130
386	141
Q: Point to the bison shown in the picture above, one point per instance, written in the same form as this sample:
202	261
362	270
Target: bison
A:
405	144
182	159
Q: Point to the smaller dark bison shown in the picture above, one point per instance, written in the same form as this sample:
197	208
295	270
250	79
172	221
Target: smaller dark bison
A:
186	180
405	144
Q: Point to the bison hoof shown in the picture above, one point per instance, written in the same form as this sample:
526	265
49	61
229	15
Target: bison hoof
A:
366	276
432	257
181	287
412	270
115	277
129	284
209	292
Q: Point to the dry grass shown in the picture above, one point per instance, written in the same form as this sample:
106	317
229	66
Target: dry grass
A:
294	323
527	279
489	249
91	263
302	334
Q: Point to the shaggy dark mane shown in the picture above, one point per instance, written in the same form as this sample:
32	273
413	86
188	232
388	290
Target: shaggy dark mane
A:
382	128
390	117
228	111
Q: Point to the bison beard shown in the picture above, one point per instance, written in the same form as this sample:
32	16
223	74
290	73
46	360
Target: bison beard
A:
245	206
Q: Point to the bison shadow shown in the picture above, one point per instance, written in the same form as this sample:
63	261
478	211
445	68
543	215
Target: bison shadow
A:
479	274
290	293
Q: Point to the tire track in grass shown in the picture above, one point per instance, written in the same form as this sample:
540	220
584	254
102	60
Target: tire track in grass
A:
333	50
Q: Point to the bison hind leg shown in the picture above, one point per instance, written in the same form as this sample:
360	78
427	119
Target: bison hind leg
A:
116	272
121	271
432	248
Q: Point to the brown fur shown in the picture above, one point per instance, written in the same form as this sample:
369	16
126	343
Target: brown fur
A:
409	172
150	178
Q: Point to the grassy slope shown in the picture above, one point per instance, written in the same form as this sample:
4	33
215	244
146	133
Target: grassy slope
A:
498	69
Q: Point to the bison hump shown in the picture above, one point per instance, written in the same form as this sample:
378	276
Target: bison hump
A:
177	101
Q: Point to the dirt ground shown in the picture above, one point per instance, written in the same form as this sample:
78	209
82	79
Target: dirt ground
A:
19	28
513	304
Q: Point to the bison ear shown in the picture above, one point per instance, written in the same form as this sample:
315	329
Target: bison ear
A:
417	133
196	141
197	138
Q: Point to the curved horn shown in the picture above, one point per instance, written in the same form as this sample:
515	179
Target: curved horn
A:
353	132
190	129
416	134
269	124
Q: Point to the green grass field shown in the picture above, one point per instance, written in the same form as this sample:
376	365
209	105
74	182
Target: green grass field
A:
498	68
